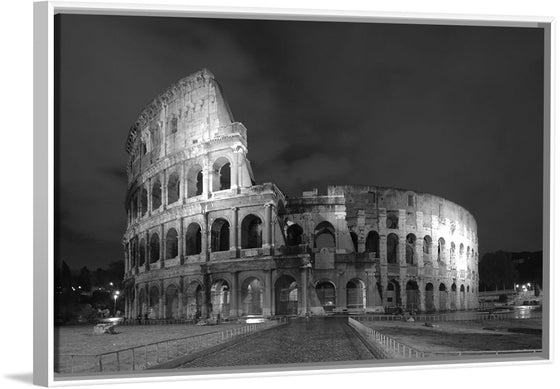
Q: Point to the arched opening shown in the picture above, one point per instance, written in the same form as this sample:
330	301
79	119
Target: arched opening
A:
220	297
392	248
410	249
194	181
441	251
355	294
252	297
286	296
412	296
429	299
462	297
134	251
173	188
142	252
372	243
172	302
156	195
193	239
327	295
221	175
427	249
142	303
251	232
171	244
354	238
442	297
154	248
392	220
220	235
154	303
461	256
325	235
453	297
144	201
134	205
194	300
293	235
393	294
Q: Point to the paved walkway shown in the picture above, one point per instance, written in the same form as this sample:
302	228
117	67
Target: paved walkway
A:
300	341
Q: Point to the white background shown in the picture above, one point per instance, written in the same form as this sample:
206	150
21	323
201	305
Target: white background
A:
16	214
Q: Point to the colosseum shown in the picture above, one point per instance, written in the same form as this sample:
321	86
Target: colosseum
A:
204	239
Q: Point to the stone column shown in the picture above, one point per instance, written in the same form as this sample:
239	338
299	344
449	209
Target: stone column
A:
436	297
370	289
403	281
458	298
303	271
384	283
136	302
419	251
269	290
340	291
162	247
162	308
235	171
267	225
422	290
183	185
433	252
181	248
401	251
205	178
164	189
383	250
147	253
180	298
150	205
234	309
234	231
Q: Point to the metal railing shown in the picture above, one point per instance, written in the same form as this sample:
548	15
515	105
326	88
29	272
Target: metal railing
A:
391	347
440	317
152	354
483	352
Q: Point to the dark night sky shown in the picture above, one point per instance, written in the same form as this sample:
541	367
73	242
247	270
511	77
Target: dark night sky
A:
452	111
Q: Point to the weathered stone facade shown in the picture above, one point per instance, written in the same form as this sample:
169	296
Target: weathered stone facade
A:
204	239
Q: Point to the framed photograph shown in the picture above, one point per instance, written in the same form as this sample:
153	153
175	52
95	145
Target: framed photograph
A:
228	192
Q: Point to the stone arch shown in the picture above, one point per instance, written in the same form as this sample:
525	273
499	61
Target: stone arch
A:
194	300
453	296
142	252
220	297
325	235
221	169
171	302
372	243
195	181
142	303
462	300
134	251
156	195
154	248
393	293
461	255
294	235
392	248
429	297
171	244
354	238
412	296
410	249
355	294
220	235
251	232
427	248
173	188
441	251
143	200
392	220
326	292
252	296
442	297
193	239
286	295
153	311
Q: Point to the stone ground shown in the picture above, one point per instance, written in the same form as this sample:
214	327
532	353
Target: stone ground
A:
80	339
300	341
484	335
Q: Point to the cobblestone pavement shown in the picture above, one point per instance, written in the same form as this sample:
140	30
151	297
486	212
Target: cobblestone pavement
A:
300	341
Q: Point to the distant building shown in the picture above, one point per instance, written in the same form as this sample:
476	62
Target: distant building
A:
204	239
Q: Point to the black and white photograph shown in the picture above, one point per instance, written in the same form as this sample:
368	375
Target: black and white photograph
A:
234	194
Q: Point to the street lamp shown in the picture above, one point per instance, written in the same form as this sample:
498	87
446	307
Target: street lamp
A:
115	296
